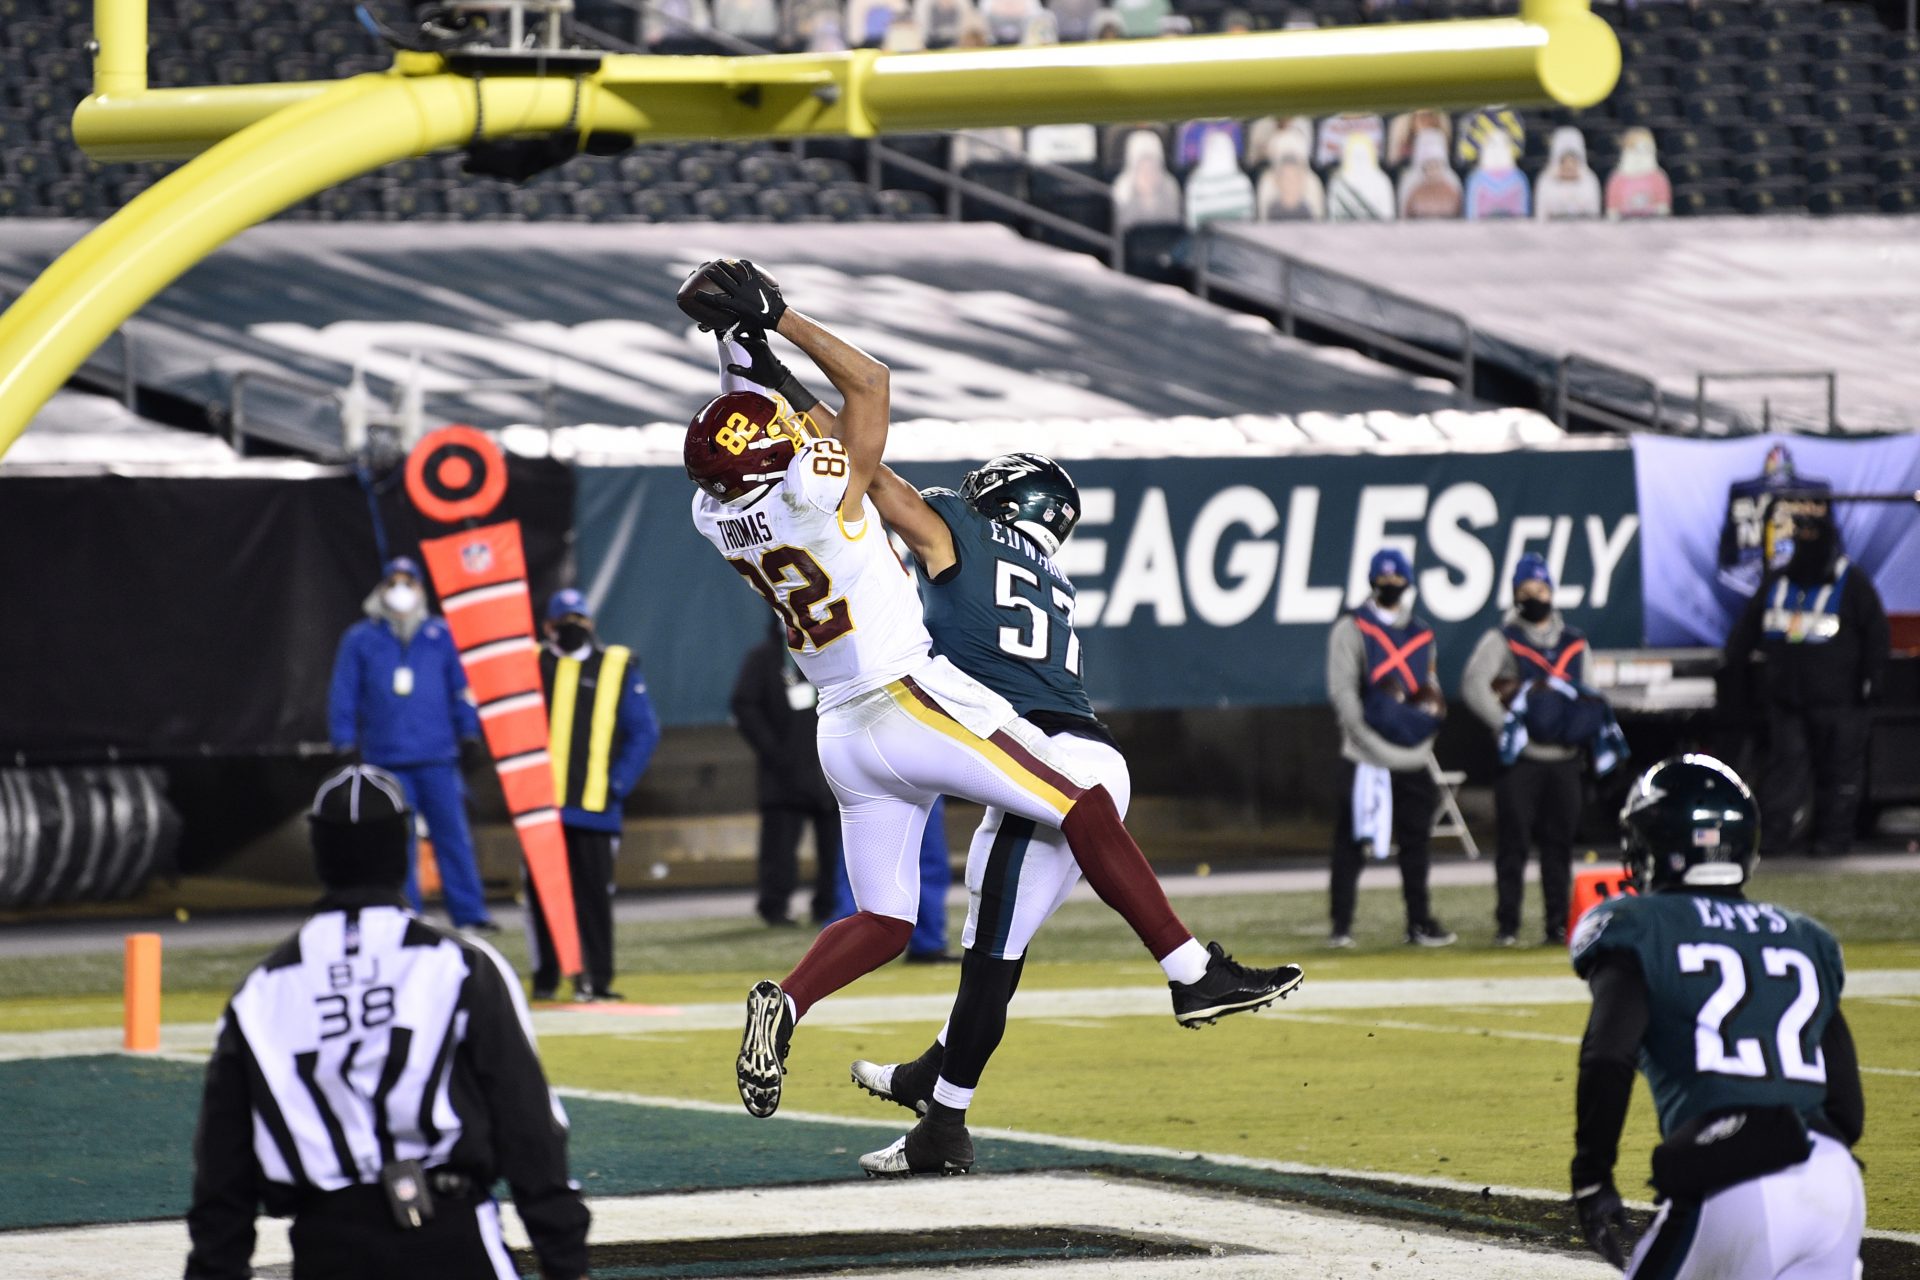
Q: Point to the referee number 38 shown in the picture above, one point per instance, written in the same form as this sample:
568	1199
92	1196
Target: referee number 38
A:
340	1011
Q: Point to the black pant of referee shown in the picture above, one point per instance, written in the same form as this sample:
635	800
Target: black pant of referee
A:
590	856
352	1233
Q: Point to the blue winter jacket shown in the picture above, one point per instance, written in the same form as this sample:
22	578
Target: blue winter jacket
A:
424	726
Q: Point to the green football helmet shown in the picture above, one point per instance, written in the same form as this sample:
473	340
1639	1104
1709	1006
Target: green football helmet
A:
1029	491
1689	822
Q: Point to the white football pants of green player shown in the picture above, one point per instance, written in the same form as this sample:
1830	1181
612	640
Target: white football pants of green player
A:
1019	871
1802	1223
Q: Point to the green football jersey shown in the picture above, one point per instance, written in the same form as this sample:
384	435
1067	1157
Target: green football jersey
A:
1739	994
1004	614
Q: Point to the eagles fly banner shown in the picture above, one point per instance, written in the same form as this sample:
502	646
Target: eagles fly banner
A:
1202	582
456	475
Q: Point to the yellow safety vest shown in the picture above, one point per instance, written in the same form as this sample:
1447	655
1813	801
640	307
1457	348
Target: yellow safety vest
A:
582	748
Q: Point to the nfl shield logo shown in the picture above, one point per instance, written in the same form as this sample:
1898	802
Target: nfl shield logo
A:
476	557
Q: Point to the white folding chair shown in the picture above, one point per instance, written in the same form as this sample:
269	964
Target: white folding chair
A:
1447	818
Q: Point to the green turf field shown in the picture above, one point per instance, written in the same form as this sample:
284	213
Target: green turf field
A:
1478	1093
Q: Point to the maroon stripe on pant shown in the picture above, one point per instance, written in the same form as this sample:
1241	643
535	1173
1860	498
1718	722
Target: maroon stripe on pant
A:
1006	742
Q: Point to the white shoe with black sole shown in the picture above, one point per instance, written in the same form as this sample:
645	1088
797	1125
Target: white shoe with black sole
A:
763	1049
879	1080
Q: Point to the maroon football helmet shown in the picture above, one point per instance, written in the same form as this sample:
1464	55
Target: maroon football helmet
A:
739	446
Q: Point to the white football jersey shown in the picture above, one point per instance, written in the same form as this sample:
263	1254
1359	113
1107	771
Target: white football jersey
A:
851	610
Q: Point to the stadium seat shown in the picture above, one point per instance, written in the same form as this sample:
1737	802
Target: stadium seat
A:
791	202
846	203
1904	198
769	169
645	168
1848	196
907	206
66	198
61	67
706	169
598	204
1898	170
34	162
1709	195
660	204
1900	108
540	204
240	68
476	202
1846	108
1847	17
1774	195
729	203
826	171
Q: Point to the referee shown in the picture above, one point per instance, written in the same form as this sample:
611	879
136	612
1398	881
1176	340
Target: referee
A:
372	1079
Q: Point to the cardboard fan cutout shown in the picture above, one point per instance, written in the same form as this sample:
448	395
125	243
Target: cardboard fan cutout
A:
457	476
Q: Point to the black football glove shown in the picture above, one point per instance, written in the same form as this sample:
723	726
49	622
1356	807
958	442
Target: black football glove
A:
764	369
474	755
746	293
1603	1221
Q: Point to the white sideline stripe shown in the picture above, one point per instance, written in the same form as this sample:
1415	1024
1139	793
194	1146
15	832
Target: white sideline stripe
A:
1066	1003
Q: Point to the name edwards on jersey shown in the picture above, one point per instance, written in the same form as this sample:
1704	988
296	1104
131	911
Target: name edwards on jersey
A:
1012	539
747	531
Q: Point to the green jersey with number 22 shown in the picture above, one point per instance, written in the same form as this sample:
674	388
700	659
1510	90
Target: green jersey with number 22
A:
1739	995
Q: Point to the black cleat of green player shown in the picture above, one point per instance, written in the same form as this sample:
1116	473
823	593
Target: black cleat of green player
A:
928	1148
1230	987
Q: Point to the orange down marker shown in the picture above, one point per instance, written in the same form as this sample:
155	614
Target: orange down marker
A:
456	475
143	993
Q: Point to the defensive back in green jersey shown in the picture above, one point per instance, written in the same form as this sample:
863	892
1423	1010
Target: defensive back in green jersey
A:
1739	994
1004	613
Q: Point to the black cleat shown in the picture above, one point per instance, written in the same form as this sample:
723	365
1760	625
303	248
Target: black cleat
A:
763	1049
910	1083
1230	987
928	1148
1430	933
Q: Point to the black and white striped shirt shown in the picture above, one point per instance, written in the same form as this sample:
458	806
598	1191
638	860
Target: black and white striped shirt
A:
371	1036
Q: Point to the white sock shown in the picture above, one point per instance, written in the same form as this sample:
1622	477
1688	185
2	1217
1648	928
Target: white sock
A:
793	1010
1185	963
945	1027
951	1095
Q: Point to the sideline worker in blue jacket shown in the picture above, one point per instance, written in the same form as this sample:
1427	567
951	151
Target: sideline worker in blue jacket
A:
400	699
601	735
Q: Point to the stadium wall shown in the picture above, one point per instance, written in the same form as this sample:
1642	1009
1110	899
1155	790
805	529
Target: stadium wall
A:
1203	582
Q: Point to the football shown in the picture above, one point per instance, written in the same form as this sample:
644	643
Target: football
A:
694	296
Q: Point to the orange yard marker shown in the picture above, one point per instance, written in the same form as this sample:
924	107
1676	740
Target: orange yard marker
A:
143	992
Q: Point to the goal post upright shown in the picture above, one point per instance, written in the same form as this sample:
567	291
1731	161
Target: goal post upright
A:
255	150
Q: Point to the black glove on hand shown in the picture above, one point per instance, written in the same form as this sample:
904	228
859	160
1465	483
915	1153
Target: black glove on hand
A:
766	370
746	293
473	755
1603	1221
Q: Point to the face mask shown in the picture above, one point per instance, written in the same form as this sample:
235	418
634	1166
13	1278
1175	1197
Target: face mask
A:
1534	609
572	635
401	598
1389	593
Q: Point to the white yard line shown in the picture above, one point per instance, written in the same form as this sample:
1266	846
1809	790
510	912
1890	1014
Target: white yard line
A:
1259	1239
1068	1004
